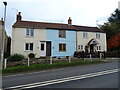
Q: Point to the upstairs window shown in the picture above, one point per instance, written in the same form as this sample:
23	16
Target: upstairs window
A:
62	47
62	34
29	46
29	32
85	34
97	35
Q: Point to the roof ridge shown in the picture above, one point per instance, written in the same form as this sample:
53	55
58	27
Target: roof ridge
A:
56	23
49	25
42	22
85	26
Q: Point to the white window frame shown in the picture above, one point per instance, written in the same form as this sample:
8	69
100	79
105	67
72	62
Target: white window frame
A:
98	48
97	35
29	32
29	46
80	47
85	34
42	48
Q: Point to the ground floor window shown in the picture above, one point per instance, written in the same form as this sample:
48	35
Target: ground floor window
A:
80	47
29	46
98	48
62	47
42	46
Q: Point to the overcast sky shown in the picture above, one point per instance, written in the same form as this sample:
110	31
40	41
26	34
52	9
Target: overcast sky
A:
82	12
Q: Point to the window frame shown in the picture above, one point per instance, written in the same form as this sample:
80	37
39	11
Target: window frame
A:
42	48
85	34
62	33
29	46
98	48
80	47
30	32
63	46
97	35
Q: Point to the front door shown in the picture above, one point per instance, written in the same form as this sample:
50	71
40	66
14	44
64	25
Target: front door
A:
91	48
48	48
42	48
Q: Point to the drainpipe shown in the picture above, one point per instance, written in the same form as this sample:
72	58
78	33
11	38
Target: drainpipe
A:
76	41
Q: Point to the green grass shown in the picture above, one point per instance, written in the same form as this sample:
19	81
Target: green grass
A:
34	67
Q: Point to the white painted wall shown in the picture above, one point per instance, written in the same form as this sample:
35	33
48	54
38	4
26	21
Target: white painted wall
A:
19	39
83	41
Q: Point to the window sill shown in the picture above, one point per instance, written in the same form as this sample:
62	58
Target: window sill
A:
62	37
28	50
62	51
97	38
29	36
85	37
98	50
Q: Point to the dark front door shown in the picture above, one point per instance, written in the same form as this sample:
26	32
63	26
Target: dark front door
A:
91	48
48	48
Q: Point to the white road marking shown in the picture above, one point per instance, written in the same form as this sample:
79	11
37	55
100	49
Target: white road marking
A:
62	80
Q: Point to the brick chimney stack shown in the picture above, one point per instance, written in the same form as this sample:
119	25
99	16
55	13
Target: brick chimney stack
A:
69	21
19	17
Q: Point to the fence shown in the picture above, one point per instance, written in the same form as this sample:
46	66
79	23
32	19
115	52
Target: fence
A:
50	60
84	55
42	60
113	54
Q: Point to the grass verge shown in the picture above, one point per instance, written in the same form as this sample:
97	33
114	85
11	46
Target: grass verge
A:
35	67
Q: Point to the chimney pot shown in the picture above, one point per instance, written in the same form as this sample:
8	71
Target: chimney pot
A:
19	17
69	21
1	19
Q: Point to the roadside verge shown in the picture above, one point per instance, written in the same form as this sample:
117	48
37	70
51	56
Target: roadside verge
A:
37	67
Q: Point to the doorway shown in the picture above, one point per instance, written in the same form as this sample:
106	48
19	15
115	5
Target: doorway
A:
42	48
91	48
48	48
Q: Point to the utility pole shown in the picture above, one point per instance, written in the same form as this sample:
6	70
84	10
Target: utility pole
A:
3	35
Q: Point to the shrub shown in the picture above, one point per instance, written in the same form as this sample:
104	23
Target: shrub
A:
16	57
31	55
6	54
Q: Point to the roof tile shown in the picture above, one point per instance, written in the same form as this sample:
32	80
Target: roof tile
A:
37	25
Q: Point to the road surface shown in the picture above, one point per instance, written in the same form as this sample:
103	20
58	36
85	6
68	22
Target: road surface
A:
104	75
